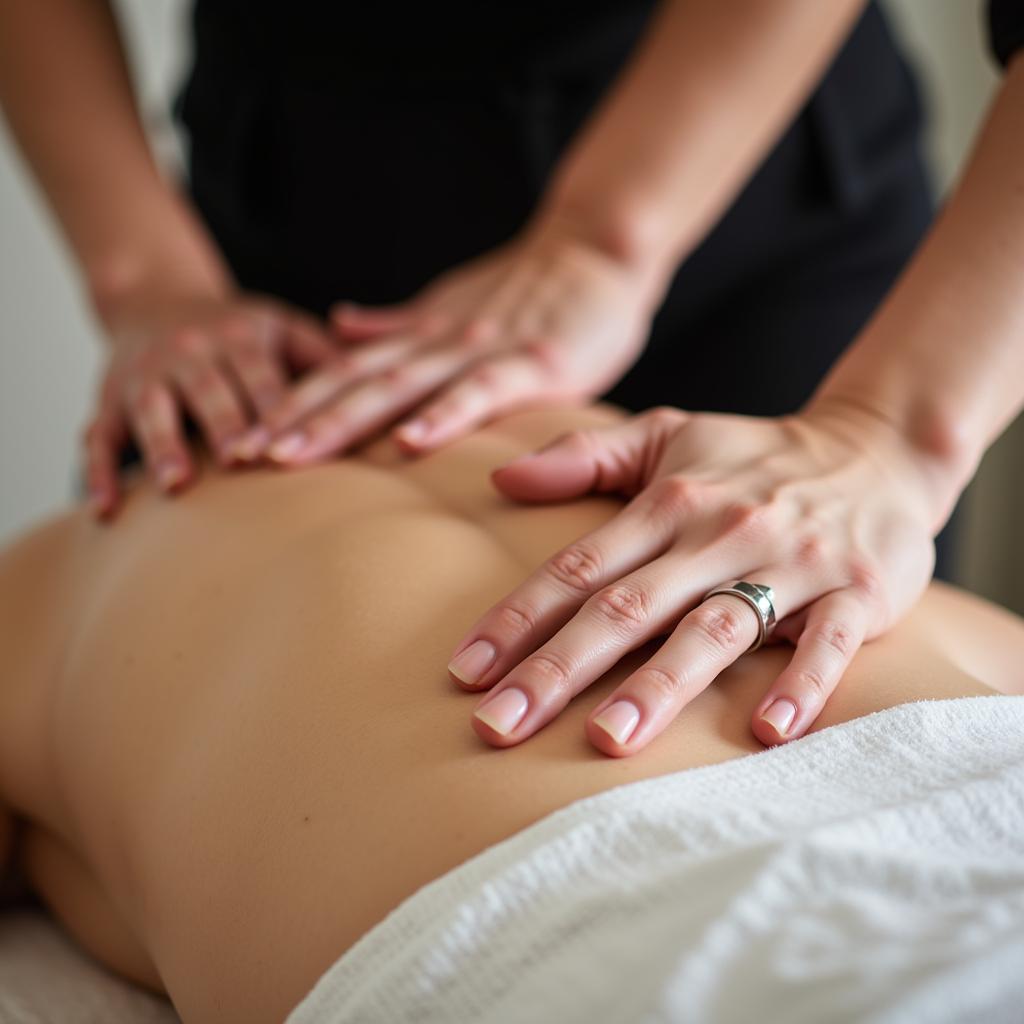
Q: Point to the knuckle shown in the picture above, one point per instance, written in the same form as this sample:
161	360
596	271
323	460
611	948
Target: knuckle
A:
486	376
514	619
552	669
720	624
811	682
665	684
865	577
577	567
475	332
398	377
749	520
546	351
835	635
676	495
622	605
812	553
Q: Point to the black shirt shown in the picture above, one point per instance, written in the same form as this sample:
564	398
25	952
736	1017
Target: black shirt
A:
1006	28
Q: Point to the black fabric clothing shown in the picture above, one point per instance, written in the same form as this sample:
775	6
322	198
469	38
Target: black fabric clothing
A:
1006	28
354	151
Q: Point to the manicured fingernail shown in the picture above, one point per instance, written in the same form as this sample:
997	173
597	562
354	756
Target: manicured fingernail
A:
619	720
287	447
504	711
469	666
168	475
412	432
779	715
250	446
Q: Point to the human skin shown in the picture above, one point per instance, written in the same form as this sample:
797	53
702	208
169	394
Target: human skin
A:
835	507
227	733
564	310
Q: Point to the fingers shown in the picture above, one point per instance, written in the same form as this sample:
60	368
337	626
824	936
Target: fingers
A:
361	323
314	392
706	642
532	613
835	629
259	373
613	459
617	619
366	408
213	402
156	425
489	388
104	438
304	342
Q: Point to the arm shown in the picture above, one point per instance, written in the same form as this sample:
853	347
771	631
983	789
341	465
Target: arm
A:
179	331
707	95
67	94
943	359
564	309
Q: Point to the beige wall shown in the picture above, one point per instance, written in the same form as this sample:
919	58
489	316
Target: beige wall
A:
49	348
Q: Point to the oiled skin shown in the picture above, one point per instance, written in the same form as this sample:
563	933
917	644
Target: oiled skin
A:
227	725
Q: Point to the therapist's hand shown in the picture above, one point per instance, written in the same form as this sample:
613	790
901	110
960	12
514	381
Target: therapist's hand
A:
222	359
831	509
547	316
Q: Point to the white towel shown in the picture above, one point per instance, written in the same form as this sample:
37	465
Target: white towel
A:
872	872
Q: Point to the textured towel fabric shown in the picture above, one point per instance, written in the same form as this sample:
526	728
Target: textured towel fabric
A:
46	979
872	872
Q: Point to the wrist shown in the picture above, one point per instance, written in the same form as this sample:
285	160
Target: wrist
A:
927	445
621	242
125	281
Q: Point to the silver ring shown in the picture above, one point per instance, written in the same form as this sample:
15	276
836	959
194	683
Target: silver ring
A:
760	597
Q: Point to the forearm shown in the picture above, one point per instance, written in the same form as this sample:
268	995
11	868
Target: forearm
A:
708	93
943	359
67	95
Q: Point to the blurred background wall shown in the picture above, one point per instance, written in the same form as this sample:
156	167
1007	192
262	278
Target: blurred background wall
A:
49	348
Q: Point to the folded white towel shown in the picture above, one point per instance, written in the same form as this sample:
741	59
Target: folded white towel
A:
873	872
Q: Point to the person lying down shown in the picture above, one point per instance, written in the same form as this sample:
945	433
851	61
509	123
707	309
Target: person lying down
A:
237	772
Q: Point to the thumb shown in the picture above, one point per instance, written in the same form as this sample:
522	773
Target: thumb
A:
363	323
620	459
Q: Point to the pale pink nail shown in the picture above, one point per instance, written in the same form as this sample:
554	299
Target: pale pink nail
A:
469	666
250	446
413	432
168	474
504	711
619	720
287	447
779	715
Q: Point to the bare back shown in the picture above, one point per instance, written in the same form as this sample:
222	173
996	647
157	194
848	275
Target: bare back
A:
229	721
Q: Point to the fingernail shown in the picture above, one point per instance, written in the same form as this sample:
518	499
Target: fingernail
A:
469	666
619	720
97	503
168	474
226	449
504	711
779	715
250	446
412	432
287	447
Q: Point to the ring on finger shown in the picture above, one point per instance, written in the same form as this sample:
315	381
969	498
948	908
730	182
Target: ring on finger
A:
760	597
